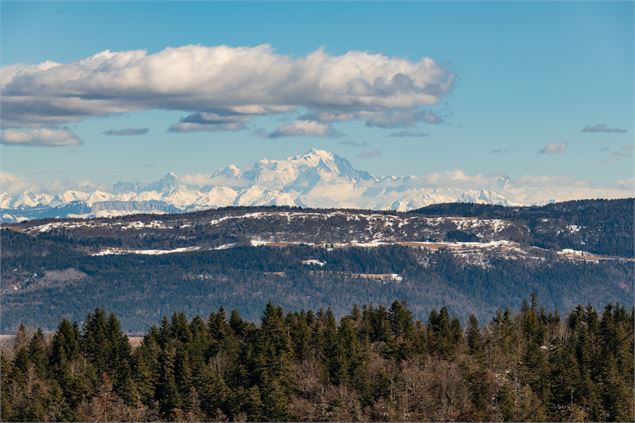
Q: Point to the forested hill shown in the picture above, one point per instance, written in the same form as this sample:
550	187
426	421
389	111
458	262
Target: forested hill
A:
375	364
145	266
606	226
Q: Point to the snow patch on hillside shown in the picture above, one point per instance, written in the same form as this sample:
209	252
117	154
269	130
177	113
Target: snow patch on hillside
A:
119	251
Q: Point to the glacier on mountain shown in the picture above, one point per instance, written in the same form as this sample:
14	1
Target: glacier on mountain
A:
317	178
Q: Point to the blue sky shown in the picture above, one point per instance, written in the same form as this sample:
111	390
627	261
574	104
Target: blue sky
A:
529	77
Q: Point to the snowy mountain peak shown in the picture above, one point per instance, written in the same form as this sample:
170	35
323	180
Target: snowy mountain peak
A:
305	171
503	181
231	171
166	184
483	197
316	178
315	156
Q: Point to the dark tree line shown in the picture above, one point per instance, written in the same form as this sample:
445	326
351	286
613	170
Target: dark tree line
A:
375	363
140	289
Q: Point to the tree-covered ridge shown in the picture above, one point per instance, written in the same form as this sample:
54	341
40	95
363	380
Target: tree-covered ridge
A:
602	226
375	363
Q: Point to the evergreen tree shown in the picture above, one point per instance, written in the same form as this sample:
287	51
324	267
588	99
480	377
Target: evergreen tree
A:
218	331
95	341
66	343
167	393
330	349
38	354
214	393
443	332
6	382
616	397
402	344
273	359
564	382
375	364
474	338
146	366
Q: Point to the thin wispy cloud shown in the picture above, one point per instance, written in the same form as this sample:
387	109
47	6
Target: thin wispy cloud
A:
623	151
499	151
627	184
402	118
601	127
260	133
553	148
305	128
407	133
43	137
369	154
353	143
125	132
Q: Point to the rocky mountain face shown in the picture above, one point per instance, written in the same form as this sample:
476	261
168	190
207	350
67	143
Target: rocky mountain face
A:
314	179
471	258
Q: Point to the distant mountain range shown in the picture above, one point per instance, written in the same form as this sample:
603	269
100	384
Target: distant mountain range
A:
315	179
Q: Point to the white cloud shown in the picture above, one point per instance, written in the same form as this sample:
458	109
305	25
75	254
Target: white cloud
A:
304	128
458	179
10	182
627	184
553	148
541	189
229	81
195	179
50	137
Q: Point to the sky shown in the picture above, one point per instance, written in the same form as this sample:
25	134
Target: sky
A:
102	92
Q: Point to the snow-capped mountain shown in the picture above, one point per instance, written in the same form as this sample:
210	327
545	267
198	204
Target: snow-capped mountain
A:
317	178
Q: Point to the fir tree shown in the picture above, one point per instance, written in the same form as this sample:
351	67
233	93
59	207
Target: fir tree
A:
38	354
474	338
167	393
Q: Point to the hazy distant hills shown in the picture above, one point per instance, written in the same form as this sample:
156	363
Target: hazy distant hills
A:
315	179
471	258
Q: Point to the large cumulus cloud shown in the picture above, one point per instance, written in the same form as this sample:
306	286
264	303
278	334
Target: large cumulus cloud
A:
223	87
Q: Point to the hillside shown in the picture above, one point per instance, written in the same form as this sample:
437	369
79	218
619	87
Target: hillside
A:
472	259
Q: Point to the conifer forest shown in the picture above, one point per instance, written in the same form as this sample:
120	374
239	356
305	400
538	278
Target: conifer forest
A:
375	364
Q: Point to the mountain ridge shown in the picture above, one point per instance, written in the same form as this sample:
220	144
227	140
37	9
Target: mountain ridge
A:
317	178
472	258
